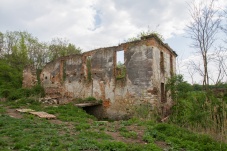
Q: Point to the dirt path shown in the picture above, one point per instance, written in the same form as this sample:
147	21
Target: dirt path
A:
117	136
13	113
113	129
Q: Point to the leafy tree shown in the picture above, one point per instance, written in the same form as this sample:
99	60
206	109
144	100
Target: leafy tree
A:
197	87
60	47
177	86
10	78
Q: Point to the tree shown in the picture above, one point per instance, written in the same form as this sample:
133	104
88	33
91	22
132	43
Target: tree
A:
202	30
177	87
60	47
1	43
21	48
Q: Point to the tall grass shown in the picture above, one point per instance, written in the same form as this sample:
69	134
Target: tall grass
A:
200	111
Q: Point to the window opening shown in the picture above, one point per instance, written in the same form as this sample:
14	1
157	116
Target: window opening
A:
171	65
88	64
120	65
163	98
120	57
63	70
161	61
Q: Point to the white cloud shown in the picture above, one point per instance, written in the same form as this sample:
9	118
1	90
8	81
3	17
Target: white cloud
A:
185	67
77	20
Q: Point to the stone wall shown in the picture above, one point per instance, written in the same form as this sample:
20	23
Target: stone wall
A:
94	73
29	77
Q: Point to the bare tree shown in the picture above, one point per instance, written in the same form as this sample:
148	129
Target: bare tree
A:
202	30
191	72
220	62
224	26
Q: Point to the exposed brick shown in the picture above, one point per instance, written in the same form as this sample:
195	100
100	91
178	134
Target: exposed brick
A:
70	77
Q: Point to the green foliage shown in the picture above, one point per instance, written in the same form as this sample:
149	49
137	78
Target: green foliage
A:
181	139
69	112
218	86
60	47
177	86
82	126
38	72
49	136
2	110
121	71
129	134
21	49
197	87
198	110
25	92
147	137
29	102
89	99
77	132
10	78
144	34
143	110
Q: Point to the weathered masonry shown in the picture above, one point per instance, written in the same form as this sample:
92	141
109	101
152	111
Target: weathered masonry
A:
141	79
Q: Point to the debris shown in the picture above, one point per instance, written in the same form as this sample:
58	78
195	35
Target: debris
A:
44	115
40	114
25	110
48	100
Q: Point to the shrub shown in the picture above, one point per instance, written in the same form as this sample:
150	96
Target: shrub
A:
180	138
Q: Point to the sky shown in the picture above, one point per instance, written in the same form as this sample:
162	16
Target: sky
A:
91	24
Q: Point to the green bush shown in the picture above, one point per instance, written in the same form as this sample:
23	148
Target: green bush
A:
25	92
89	99
180	138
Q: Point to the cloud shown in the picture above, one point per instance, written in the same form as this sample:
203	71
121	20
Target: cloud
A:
193	75
92	23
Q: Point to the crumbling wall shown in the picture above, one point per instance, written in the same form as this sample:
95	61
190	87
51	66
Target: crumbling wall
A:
29	77
94	73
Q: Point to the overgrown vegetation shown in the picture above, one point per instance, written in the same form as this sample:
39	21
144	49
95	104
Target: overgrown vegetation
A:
13	94
144	34
61	47
20	49
181	139
76	130
198	110
121	71
89	99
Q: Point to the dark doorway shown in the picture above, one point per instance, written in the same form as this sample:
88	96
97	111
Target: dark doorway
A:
163	98
96	110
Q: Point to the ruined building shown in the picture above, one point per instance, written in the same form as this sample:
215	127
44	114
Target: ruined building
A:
147	65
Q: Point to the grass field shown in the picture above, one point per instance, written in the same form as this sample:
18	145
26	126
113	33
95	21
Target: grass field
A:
74	129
